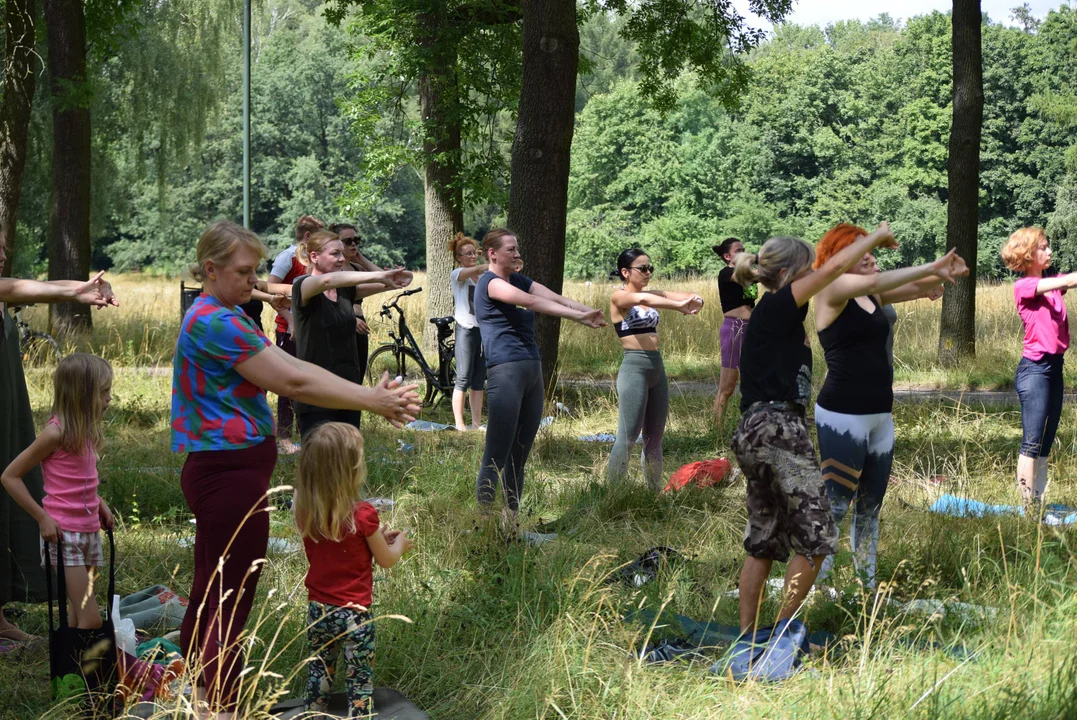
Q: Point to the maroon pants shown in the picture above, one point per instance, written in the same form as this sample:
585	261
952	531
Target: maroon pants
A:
226	491
285	412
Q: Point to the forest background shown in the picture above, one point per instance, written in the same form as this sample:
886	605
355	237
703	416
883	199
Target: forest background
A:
846	123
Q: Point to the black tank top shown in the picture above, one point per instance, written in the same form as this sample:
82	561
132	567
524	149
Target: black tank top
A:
859	378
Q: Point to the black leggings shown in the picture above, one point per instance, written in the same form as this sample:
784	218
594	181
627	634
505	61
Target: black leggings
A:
514	410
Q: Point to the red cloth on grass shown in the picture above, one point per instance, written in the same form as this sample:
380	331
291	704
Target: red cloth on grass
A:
703	473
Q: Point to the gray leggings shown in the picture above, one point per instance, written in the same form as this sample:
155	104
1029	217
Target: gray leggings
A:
514	410
643	404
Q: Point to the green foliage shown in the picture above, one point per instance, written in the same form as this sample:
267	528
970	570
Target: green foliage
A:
850	124
469	51
168	146
708	37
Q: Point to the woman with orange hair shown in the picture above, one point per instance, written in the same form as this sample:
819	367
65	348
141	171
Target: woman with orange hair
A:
853	408
1039	373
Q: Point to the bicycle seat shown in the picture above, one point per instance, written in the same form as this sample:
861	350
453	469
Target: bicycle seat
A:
444	326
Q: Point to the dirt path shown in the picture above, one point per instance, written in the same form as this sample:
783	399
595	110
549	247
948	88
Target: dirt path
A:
703	387
901	394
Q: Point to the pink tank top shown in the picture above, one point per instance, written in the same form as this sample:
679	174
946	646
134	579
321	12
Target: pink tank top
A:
71	488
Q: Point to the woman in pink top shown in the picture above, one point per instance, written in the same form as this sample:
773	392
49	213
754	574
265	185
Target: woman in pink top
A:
1039	374
66	450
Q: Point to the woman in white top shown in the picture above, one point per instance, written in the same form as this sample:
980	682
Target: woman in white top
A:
470	361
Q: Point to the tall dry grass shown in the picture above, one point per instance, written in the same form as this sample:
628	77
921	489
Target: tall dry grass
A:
143	333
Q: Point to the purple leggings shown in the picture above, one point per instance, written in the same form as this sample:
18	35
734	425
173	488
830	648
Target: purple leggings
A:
731	337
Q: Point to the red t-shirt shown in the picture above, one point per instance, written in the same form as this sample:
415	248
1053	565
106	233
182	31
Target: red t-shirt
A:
341	573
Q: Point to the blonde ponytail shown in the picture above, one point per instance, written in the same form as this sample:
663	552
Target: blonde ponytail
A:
314	243
775	265
744	268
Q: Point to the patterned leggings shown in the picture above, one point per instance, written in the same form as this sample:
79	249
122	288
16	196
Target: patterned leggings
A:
328	628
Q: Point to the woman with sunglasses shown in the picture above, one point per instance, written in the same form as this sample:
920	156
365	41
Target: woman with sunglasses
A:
351	242
642	388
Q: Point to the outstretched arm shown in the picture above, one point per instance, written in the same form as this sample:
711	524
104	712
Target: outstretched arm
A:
506	293
392	279
27	292
811	284
472	272
927	288
848	286
276	371
1059	282
540	290
687	303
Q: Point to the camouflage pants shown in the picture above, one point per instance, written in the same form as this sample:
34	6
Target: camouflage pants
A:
787	505
330	628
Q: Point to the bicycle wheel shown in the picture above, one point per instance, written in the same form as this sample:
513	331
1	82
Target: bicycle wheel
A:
39	348
402	362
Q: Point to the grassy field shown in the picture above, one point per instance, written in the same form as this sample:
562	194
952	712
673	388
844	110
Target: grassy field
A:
143	333
507	631
500	630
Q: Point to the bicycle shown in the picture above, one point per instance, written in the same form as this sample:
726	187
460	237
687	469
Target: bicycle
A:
403	356
37	347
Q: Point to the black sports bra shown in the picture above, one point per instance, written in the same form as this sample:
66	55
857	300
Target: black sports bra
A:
639	320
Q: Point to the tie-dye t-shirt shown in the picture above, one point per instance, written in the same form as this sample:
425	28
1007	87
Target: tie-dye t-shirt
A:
213	407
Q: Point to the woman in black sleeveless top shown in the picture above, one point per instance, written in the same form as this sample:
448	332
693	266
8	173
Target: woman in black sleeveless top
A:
737	307
853	409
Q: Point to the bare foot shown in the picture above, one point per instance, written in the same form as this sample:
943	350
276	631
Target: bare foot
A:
13	633
463	428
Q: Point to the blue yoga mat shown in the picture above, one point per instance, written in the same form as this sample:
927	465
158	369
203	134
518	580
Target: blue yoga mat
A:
957	506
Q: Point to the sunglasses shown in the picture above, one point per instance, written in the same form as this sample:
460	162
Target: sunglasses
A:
643	268
350	241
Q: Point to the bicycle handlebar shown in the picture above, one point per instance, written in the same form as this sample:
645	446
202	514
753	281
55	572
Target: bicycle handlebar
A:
396	298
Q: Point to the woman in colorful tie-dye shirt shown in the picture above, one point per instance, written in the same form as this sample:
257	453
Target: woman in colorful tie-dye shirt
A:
220	417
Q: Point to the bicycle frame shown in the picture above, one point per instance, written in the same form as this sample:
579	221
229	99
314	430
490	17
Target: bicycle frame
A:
403	340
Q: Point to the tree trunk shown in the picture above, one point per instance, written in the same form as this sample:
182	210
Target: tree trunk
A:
69	219
957	330
538	194
19	82
439	107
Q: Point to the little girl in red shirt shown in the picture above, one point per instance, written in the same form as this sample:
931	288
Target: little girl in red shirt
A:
342	537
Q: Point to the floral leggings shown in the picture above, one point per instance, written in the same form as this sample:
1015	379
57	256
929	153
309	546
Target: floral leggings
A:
328	628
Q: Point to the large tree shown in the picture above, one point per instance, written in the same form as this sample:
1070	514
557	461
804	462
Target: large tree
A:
463	56
538	191
957	329
706	36
18	94
69	219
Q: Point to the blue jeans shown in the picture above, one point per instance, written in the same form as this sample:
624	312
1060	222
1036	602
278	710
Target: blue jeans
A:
1039	387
